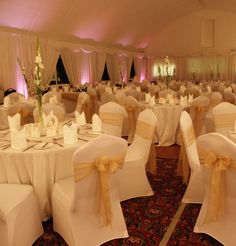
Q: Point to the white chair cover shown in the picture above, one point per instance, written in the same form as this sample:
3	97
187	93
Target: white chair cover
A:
14	97
57	109
75	199
20	222
134	181
112	116
50	94
195	190
79	101
132	107
224	115
217	216
198	110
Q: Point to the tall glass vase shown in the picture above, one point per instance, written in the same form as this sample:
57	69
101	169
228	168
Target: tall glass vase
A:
39	97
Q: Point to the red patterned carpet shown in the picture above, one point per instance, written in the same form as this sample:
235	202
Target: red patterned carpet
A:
148	218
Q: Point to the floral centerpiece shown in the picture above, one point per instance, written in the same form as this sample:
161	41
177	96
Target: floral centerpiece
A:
39	88
167	67
23	72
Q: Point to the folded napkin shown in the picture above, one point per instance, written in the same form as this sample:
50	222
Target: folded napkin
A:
147	97
169	97
162	100
80	119
96	123
190	98
183	100
14	121
228	89
172	101
182	88
18	139
152	101
53	99
108	90
6	102
209	89
70	134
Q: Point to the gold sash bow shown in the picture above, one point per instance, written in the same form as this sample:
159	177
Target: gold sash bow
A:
105	166
199	113
132	111
217	189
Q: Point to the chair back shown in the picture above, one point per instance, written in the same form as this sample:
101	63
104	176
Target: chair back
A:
187	131
198	110
112	116
14	97
132	107
120	97
80	100
57	109
224	115
87	175
48	95
144	133
221	147
24	109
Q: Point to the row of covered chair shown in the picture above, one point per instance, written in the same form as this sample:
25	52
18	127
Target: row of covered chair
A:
212	160
106	168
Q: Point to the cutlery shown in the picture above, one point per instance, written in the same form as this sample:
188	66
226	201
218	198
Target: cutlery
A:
29	147
45	145
55	142
86	140
5	147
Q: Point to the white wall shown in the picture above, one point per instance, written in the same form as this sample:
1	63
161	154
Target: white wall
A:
183	36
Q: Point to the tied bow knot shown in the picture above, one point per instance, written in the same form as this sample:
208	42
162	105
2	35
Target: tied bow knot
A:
219	163
217	187
105	164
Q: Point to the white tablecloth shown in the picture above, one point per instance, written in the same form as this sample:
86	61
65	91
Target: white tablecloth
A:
167	122
40	168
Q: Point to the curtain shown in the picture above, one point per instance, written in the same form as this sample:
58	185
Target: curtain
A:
26	54
110	67
84	67
129	60
100	65
8	61
69	59
50	57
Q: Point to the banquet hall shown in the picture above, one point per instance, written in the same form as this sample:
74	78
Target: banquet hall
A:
117	122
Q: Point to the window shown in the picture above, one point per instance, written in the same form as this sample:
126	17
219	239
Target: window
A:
105	75
132	71
60	76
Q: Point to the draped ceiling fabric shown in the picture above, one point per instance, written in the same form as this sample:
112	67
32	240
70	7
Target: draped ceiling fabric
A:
71	29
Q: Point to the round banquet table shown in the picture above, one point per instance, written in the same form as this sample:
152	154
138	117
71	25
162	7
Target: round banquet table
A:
39	168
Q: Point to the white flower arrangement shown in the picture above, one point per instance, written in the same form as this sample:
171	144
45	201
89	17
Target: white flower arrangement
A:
23	71
37	70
